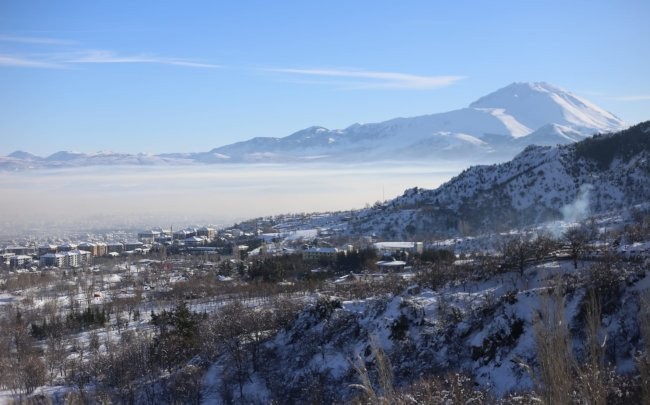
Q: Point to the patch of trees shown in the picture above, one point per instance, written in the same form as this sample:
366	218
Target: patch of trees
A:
279	268
355	261
436	256
75	322
21	367
178	333
522	249
436	275
603	149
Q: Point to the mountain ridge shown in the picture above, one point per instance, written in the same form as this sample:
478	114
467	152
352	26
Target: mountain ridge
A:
493	128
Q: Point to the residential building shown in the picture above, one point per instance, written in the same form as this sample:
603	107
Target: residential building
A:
66	247
115	247
92	248
184	234
84	257
133	245
320	253
20	261
148	236
19	250
102	249
395	247
194	241
393	266
52	260
206	232
6	259
71	258
44	249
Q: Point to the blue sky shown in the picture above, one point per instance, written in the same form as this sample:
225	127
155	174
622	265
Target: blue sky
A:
156	76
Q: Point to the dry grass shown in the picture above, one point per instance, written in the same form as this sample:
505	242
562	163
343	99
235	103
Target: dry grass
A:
554	357
643	360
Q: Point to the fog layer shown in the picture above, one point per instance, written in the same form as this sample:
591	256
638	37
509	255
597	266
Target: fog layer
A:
217	194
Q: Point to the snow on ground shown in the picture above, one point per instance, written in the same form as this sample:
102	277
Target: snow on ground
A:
7	298
483	326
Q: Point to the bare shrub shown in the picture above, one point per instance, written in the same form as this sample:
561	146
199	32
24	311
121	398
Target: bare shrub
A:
590	376
384	372
643	359
554	357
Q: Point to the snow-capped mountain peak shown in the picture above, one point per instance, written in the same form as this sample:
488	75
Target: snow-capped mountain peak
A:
538	104
493	128
19	154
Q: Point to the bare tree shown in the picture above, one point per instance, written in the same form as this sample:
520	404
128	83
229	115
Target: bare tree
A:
517	250
577	238
543	245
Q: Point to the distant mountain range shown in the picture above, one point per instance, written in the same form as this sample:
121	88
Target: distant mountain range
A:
491	129
603	173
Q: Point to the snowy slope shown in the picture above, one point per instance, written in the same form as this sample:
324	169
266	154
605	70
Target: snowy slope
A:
540	184
483	326
538	104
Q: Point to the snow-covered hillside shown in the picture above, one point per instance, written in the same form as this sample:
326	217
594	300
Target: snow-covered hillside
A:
482	326
493	128
541	183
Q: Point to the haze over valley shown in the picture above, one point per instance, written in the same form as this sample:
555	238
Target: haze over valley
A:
123	196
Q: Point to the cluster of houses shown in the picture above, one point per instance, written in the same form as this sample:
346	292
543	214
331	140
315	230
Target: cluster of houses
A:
67	254
185	237
190	240
81	254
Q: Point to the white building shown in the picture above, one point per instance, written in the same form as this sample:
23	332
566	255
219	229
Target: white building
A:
194	241
19	261
320	253
148	236
391	266
52	260
83	257
71	258
394	247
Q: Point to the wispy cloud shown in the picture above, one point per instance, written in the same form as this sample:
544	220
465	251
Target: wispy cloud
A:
640	97
103	56
375	79
67	60
36	40
23	62
52	56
